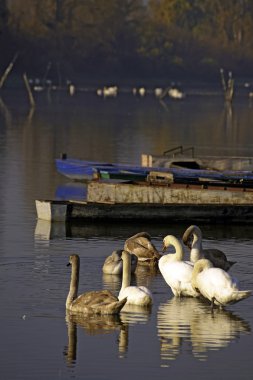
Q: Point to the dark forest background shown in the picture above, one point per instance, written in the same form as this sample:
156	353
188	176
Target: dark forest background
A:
125	39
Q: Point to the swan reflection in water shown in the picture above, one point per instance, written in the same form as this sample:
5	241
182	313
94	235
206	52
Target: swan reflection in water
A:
92	325
112	282
134	314
104	324
190	321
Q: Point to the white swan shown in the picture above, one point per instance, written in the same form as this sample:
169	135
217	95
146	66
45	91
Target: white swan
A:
142	91
217	257
216	285
136	295
113	264
141	245
176	272
175	93
94	302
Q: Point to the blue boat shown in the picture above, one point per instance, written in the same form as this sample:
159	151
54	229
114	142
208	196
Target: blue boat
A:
82	170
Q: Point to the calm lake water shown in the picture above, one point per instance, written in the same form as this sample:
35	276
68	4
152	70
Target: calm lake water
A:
179	337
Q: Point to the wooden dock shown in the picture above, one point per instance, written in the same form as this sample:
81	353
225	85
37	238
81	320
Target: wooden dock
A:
171	202
171	194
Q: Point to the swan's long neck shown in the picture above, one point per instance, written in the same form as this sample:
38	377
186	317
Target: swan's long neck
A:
199	266
126	275
196	250
179	251
73	289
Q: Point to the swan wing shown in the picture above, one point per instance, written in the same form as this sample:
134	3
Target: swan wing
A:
218	258
141	245
137	295
95	297
216	284
97	302
217	278
176	269
178	276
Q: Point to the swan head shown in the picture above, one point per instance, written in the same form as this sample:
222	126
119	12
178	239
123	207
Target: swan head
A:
74	260
116	255
168	241
191	234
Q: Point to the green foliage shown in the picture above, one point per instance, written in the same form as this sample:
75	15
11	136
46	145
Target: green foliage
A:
126	36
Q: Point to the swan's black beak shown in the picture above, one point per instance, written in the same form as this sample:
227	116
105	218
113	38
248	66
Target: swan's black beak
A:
67	265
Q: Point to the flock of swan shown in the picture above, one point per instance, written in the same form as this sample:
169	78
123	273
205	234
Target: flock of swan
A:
204	276
172	91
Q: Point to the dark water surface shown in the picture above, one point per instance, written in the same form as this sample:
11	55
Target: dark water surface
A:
179	338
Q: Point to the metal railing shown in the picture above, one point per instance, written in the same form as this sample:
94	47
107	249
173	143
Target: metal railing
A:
179	150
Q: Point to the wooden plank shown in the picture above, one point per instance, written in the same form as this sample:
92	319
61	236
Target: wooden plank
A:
170	213
144	193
